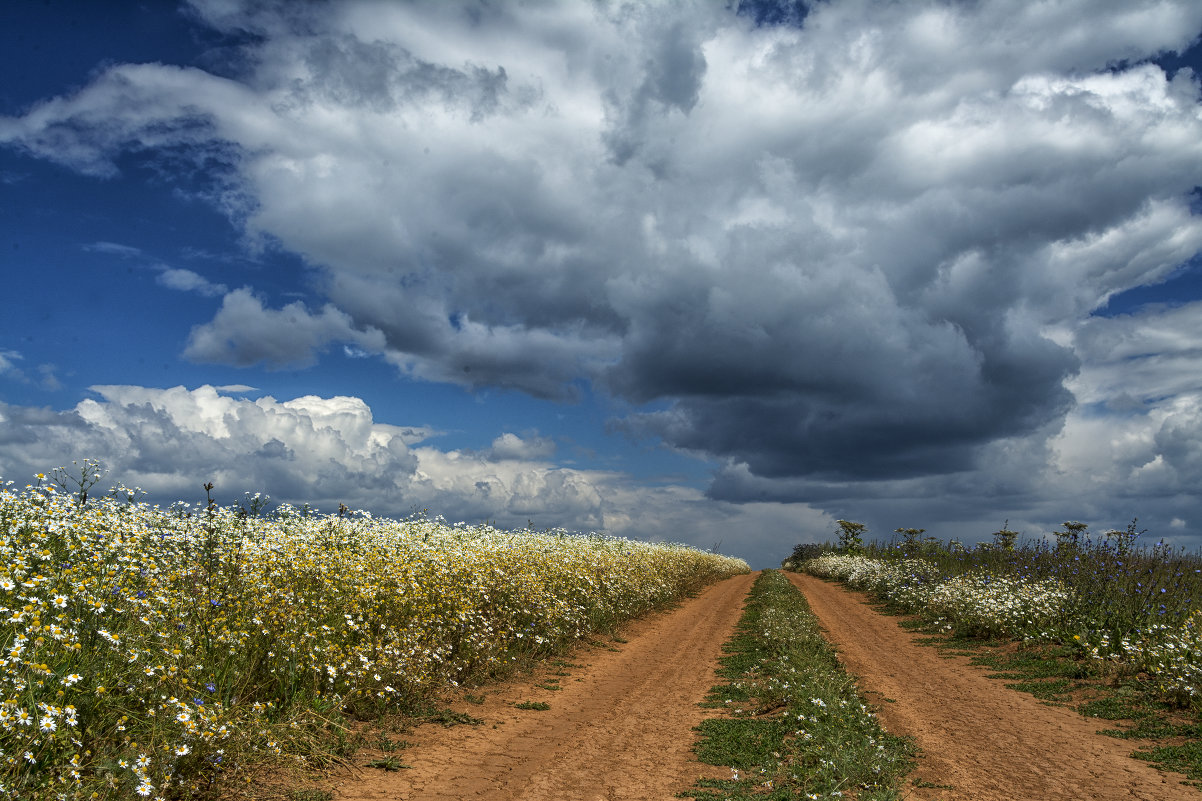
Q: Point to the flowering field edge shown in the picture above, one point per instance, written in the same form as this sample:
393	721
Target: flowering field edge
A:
1047	635
151	652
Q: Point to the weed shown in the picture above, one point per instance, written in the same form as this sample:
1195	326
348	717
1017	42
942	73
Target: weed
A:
537	706
388	745
449	717
932	785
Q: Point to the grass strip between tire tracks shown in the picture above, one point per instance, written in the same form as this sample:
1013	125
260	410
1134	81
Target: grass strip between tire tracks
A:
796	726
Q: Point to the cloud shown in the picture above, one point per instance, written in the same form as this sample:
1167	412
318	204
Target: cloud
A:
1146	357
245	333
171	441
1140	421
178	279
8	360
46	379
511	446
188	281
114	248
831	253
1128	449
326	451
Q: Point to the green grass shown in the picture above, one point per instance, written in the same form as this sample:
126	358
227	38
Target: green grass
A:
537	706
795	724
1185	758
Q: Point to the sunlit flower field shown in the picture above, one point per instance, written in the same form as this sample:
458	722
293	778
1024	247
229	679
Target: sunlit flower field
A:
1134	610
147	650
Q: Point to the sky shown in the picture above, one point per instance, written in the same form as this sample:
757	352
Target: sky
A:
705	272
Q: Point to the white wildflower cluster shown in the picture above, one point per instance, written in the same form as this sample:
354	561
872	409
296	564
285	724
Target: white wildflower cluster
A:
1170	654
980	602
977	601
1175	658
907	582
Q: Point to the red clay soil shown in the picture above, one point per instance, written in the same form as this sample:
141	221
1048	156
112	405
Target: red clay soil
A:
621	727
984	741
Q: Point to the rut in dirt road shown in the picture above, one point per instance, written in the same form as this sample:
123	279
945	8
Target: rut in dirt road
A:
620	728
985	741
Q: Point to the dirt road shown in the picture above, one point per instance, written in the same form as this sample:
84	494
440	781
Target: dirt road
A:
621	727
980	739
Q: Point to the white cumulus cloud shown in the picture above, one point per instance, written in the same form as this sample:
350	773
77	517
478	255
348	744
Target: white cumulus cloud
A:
188	281
327	451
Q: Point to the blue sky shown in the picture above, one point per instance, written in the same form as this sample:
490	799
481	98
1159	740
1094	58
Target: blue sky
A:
668	270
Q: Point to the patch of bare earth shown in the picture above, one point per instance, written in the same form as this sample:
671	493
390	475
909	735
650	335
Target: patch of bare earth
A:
620	726
979	739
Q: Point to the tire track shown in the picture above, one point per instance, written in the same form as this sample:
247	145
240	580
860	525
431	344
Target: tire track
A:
985	741
620	728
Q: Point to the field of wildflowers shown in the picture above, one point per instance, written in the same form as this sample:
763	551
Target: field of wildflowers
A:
1131	609
152	652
